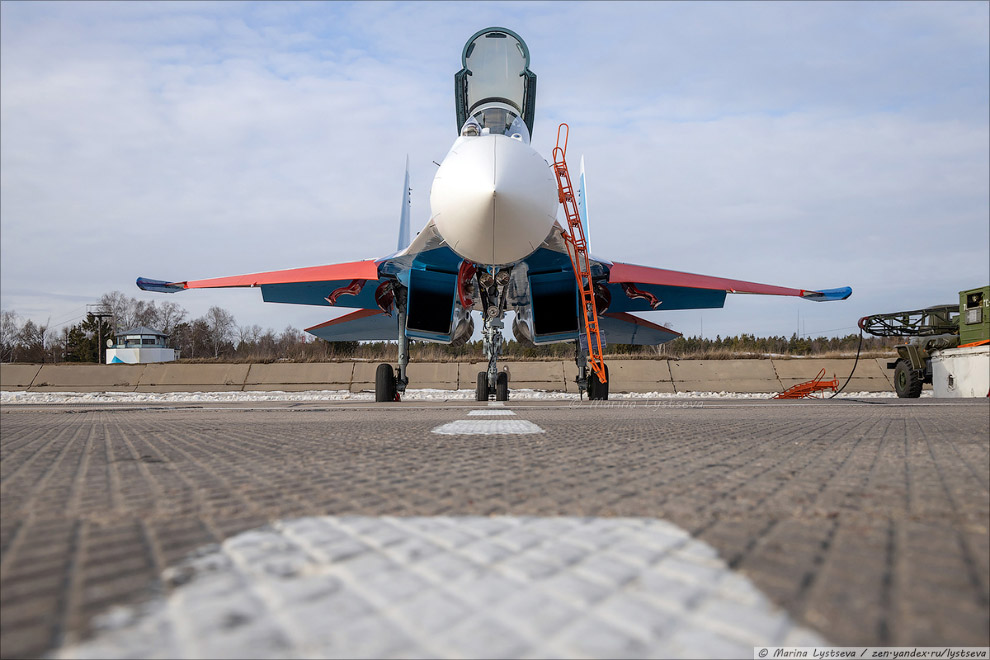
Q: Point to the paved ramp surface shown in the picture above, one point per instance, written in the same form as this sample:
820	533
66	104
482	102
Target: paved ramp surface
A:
692	528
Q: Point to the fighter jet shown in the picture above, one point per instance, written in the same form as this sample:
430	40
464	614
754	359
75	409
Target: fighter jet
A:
493	244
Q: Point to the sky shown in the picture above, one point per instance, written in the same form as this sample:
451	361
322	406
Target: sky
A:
809	145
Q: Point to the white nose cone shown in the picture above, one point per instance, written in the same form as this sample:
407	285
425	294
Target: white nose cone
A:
494	199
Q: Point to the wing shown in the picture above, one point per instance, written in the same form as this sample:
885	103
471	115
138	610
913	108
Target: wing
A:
620	328
352	284
642	288
364	324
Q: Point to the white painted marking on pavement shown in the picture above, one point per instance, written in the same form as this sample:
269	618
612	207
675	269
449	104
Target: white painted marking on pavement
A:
488	427
491	412
367	587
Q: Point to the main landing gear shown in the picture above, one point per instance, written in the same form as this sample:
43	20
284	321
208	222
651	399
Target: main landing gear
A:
587	380
389	384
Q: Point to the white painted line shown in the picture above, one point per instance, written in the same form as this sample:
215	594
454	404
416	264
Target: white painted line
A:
488	427
496	404
442	587
491	412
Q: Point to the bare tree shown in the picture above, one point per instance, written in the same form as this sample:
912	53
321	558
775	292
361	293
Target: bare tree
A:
145	313
33	339
248	334
121	307
9	329
221	326
169	316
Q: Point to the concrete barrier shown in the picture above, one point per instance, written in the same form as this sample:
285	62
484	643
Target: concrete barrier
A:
724	376
523	375
192	377
87	378
14	377
556	375
869	377
289	377
638	376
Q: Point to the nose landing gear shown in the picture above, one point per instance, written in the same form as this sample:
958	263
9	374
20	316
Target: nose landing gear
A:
493	288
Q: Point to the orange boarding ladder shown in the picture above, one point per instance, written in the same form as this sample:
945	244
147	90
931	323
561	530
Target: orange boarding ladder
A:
577	248
807	390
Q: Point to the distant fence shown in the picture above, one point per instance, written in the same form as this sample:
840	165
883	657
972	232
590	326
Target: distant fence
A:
624	376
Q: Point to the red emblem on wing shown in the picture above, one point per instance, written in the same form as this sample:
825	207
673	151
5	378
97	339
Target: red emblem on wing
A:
633	294
351	289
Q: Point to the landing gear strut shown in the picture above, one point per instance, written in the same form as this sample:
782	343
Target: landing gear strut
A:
389	384
493	294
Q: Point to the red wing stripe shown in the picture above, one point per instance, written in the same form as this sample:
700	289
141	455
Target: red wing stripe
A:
645	275
355	270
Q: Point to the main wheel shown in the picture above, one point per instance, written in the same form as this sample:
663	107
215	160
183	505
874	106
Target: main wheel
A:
384	383
481	393
502	387
597	390
907	381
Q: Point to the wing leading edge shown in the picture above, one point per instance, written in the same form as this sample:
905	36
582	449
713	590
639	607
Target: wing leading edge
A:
647	289
343	285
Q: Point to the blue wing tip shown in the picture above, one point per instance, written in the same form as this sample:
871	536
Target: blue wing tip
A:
160	286
826	295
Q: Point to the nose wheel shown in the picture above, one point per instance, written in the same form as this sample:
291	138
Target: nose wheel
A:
483	392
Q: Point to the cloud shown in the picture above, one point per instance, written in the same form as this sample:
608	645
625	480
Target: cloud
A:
804	145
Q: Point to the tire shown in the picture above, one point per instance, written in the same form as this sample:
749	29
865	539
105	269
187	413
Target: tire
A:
597	390
384	383
481	393
907	381
502	387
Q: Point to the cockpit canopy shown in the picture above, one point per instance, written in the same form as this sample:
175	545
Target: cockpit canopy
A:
495	88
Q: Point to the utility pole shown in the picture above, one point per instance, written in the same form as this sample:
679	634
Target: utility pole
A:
99	314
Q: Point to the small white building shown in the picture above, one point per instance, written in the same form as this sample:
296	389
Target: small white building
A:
139	346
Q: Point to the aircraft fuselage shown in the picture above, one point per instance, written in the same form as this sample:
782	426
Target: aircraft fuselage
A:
494	199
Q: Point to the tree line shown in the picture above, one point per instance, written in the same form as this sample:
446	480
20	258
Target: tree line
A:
215	336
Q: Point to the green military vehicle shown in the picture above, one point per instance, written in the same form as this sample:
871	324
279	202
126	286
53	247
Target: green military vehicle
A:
931	329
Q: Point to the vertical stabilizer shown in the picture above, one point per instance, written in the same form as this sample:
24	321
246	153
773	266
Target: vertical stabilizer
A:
582	200
404	216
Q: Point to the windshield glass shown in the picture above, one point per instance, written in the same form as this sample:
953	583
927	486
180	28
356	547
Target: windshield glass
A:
497	118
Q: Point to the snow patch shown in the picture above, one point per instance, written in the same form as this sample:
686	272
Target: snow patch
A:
344	395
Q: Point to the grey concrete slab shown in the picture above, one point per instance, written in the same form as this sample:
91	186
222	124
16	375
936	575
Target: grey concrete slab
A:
868	376
640	376
433	375
864	520
321	375
17	376
724	376
171	377
887	373
88	377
